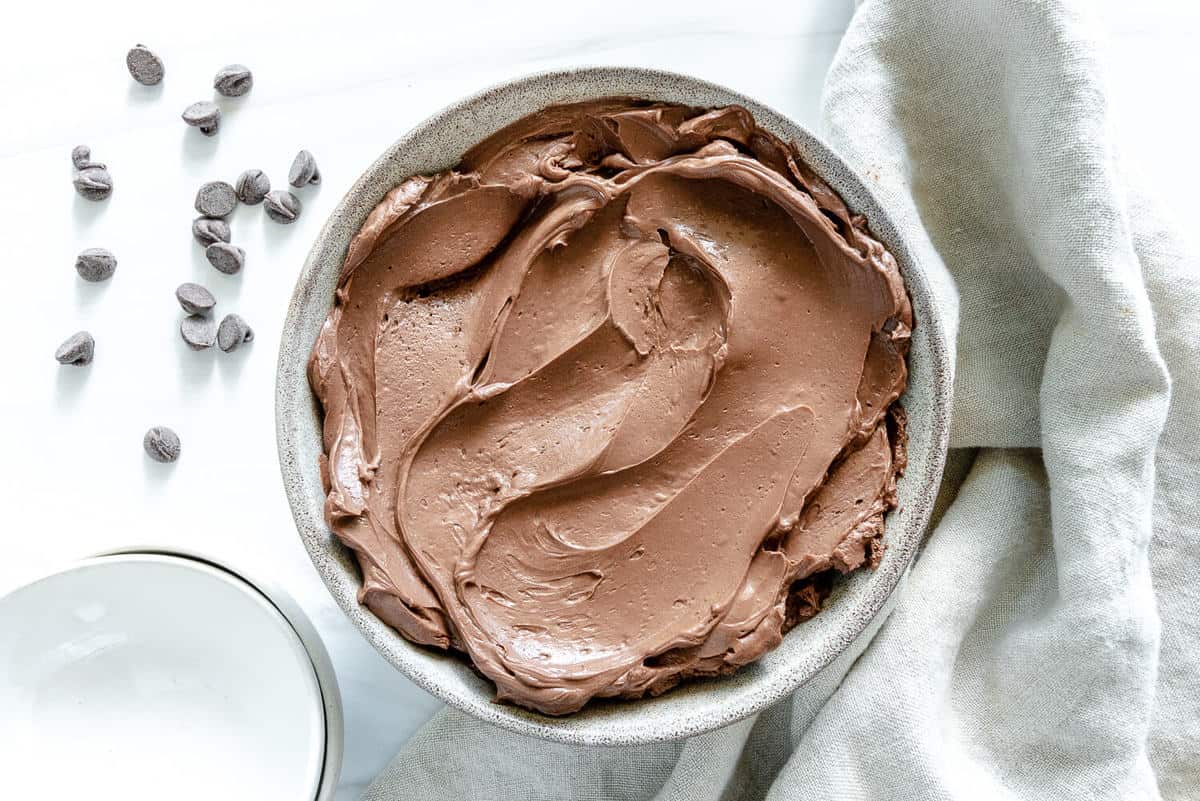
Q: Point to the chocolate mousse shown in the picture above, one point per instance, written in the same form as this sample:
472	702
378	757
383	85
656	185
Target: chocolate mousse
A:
607	405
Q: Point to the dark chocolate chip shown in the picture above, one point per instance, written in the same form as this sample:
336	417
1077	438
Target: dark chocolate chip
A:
252	186
207	230
216	199
233	333
233	81
81	157
282	206
198	331
145	67
227	258
203	115
96	264
76	349
304	170
195	299
161	444
93	183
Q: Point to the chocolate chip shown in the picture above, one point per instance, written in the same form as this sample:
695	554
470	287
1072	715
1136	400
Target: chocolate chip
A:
81	157
96	264
198	331
233	81
93	183
304	170
216	199
233	333
252	186
207	230
227	258
145	67
195	299
161	444
282	206
203	115
76	349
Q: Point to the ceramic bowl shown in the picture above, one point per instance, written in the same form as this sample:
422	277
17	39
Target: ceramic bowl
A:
697	706
142	671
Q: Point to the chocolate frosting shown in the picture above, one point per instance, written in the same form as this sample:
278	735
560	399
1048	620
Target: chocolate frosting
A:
606	403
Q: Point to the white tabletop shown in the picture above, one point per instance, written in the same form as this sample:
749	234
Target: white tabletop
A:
342	80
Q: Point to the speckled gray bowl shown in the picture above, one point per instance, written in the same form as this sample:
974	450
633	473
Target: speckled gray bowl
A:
695	707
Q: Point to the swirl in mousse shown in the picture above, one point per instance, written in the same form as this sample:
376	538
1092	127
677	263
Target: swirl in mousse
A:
608	404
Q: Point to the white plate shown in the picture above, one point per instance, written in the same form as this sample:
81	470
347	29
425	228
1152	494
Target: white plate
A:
150	676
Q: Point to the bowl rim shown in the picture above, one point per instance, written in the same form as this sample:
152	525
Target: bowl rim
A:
294	398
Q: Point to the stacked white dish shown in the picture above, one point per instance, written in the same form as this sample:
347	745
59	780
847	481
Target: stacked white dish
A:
149	675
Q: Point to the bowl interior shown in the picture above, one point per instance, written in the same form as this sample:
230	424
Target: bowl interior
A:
696	706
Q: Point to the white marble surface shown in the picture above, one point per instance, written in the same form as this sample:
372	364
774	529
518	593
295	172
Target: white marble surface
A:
343	81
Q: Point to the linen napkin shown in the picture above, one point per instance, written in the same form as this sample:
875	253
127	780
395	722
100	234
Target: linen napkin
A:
1044	645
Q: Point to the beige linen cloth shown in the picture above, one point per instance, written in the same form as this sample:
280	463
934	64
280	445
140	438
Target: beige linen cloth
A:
1045	644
